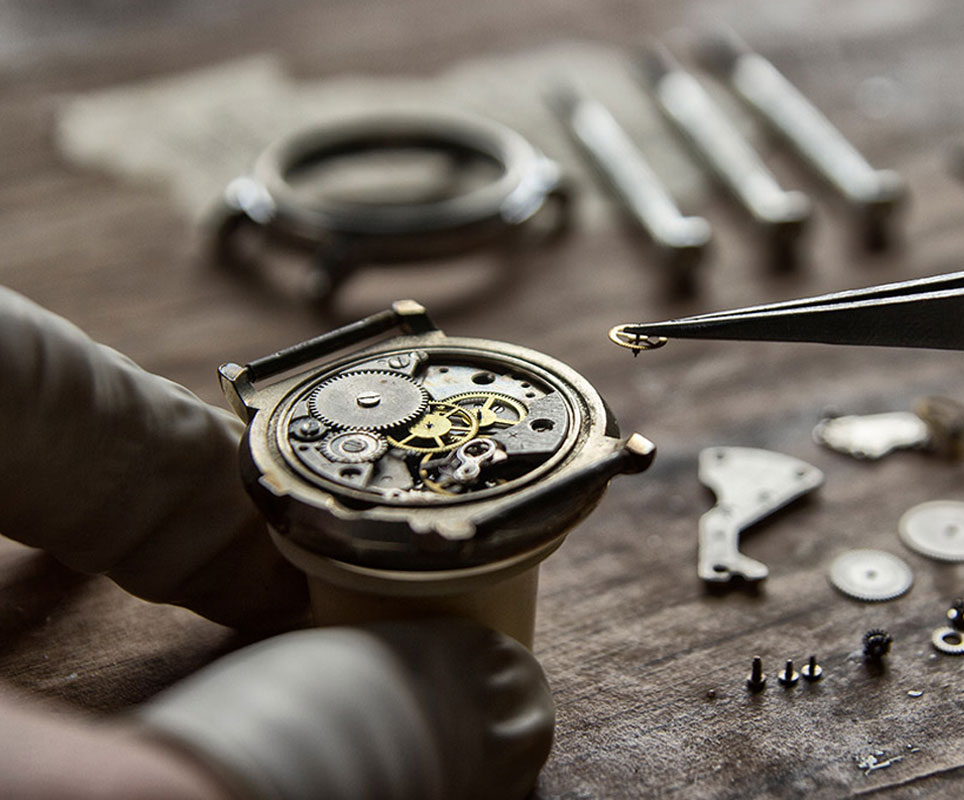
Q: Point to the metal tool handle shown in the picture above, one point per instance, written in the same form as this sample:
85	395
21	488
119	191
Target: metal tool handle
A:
694	113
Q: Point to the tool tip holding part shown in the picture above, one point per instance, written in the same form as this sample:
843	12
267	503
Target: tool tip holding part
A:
625	336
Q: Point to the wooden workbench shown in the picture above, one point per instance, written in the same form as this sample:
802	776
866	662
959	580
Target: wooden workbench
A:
647	667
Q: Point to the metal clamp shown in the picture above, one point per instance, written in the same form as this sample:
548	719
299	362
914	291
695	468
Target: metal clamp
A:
343	234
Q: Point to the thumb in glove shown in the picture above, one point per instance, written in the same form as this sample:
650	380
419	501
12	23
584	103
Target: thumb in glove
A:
427	710
114	470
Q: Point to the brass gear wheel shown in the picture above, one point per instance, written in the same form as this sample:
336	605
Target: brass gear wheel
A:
368	400
443	427
495	410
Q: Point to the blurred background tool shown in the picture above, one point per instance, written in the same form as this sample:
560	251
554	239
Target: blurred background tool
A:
680	241
926	312
781	214
872	194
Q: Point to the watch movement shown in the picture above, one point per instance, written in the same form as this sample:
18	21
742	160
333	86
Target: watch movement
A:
408	472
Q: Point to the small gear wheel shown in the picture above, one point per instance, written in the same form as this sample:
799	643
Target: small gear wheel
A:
948	640
495	410
353	447
443	427
369	400
871	575
877	644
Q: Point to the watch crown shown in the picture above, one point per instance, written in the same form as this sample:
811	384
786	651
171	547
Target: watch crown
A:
413	317
235	382
640	452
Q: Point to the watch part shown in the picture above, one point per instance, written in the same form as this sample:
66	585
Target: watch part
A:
451	472
872	436
426	426
353	447
870	575
935	529
955	614
757	680
374	400
789	676
306	429
812	671
948	640
749	484
494	410
877	644
443	427
945	420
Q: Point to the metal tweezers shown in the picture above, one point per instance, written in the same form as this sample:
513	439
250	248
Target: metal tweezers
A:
927	313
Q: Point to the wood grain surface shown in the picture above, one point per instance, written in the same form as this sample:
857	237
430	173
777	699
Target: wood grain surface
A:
647	667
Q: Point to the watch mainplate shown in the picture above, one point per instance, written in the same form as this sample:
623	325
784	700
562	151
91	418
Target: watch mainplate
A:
489	424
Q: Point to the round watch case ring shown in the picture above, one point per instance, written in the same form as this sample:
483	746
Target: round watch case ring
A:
346	233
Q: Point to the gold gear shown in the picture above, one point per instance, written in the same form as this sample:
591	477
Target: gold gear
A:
443	427
495	409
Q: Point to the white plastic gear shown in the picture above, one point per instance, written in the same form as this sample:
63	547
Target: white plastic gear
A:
871	575
353	446
398	400
935	529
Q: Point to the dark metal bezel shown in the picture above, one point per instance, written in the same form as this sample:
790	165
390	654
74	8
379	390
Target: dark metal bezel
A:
441	536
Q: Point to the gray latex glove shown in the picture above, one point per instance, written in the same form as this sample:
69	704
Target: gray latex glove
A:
114	470
429	710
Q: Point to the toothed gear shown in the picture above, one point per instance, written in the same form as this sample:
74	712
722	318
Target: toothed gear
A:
877	644
369	400
443	427
948	640
871	575
495	409
353	447
935	529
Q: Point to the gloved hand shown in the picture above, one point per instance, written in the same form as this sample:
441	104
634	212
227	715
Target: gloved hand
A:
432	709
114	470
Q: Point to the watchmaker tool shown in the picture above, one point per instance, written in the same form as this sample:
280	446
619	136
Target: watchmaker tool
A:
870	575
872	194
342	233
935	529
926	312
716	141
681	241
749	484
935	425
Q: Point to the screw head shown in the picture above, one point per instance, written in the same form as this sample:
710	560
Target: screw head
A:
368	399
756	681
789	676
811	671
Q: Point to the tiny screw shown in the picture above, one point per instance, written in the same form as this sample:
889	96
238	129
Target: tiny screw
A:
757	680
812	671
955	614
876	644
789	676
